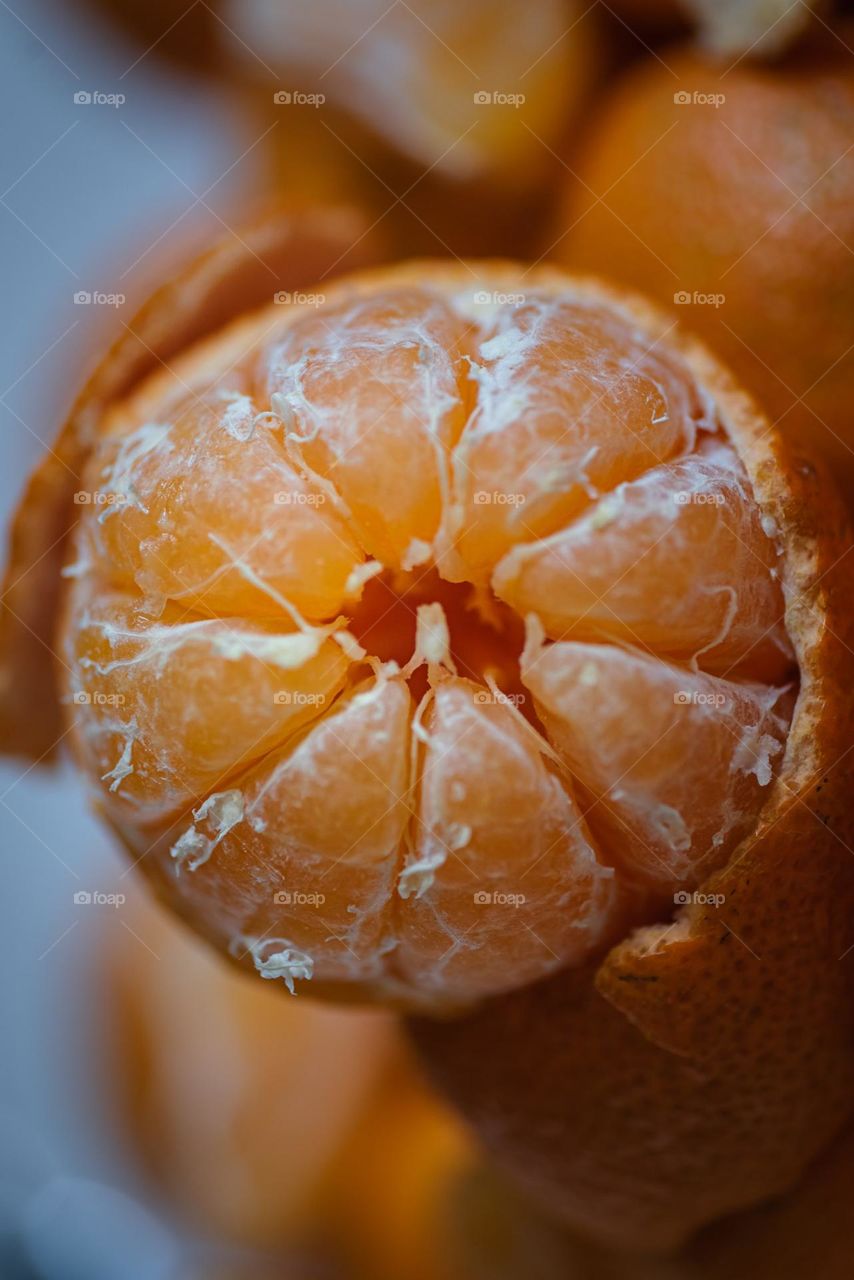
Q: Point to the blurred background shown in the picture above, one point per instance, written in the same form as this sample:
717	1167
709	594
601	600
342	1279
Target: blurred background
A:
160	1116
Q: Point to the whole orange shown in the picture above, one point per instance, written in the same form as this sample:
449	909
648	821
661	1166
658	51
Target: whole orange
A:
728	194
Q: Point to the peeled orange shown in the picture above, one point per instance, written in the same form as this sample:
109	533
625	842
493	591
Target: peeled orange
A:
356	579
466	625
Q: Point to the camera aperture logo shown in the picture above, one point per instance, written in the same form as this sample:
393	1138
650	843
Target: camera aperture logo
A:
486	898
684	899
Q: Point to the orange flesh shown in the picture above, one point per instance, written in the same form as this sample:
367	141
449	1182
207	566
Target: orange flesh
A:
434	647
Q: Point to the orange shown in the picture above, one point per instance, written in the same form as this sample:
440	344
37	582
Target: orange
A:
465	90
230	1098
234	1102
426	113
726	193
447	800
326	673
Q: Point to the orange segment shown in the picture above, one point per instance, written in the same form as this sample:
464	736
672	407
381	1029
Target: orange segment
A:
372	392
686	535
166	708
676	761
502	864
207	509
301	881
571	399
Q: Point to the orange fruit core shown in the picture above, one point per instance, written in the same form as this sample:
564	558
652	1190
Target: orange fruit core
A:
424	640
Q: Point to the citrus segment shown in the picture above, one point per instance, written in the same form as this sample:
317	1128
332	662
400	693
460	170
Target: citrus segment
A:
687	535
168	707
502	863
571	399
300	883
676	760
207	509
371	394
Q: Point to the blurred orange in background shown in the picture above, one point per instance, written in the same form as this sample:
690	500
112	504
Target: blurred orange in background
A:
728	192
297	1129
446	119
